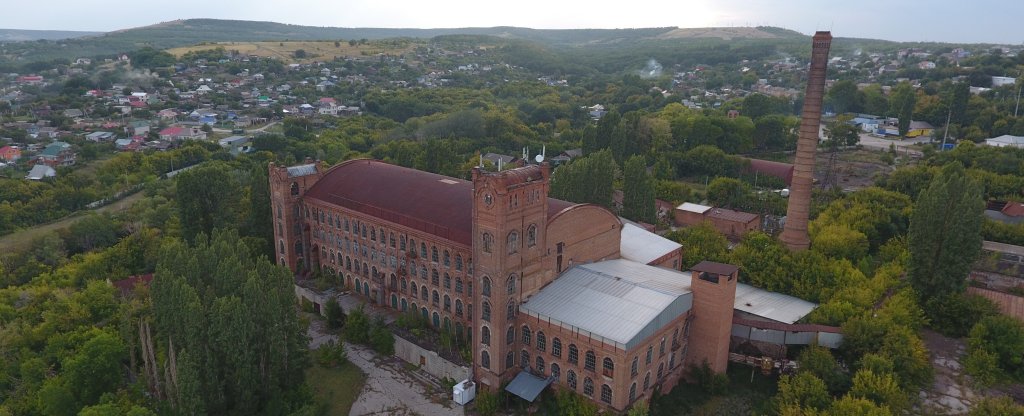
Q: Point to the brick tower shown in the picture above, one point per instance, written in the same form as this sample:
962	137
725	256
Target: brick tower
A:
287	186
509	219
714	296
794	235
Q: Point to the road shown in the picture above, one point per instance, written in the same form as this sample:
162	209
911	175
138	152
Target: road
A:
21	238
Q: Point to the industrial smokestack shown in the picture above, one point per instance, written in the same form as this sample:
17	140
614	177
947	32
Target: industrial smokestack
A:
794	235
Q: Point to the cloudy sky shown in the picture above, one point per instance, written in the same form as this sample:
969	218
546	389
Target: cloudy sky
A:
995	21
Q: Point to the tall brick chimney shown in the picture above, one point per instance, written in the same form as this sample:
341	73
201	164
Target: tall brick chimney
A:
794	235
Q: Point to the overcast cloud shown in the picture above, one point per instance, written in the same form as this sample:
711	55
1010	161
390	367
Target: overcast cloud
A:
960	21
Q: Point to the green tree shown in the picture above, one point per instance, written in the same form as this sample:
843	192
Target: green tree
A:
208	197
945	233
700	242
996	406
803	390
1002	337
757	105
727	192
96	367
845	97
879	388
840	241
901	104
93	231
638	191
849	405
586	180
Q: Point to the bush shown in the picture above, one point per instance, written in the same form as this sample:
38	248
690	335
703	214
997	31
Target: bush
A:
331	354
335	315
1003	338
708	380
486	403
983	366
997	406
380	339
954	315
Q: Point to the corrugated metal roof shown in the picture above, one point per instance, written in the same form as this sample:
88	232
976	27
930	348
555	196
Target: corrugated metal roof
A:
643	246
527	386
301	170
730	215
771	305
698	208
620	301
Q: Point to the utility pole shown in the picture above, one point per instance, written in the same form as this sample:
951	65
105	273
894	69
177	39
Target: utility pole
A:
945	132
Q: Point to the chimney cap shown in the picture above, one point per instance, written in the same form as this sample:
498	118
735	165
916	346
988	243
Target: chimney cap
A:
823	35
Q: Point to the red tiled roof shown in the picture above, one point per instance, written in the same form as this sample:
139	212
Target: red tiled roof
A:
1013	209
424	201
779	170
171	131
126	286
730	215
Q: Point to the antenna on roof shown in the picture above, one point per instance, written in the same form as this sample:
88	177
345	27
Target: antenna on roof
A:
526	152
499	164
481	160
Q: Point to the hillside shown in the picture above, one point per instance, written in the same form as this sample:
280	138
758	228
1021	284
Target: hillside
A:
21	35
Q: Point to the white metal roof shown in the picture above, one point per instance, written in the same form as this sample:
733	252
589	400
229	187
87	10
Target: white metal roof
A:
620	301
643	246
698	208
301	170
771	305
1006	140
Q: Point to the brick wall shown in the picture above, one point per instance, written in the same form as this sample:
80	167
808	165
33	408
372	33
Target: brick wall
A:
1010	305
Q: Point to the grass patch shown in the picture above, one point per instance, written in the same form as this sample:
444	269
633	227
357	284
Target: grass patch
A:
336	389
742	397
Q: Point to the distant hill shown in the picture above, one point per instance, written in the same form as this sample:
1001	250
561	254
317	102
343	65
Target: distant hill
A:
20	35
179	33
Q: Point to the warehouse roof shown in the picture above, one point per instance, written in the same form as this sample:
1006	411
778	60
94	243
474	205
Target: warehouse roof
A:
643	246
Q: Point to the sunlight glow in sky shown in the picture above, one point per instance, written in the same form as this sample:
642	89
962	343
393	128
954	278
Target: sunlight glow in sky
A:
994	21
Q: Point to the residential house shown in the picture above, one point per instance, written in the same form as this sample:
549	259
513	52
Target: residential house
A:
30	80
73	113
167	114
920	128
10	153
236	144
138	128
100	136
40	172
503	161
57	154
1001	81
177	133
127	145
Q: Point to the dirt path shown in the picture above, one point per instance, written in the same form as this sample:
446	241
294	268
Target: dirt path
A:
22	237
950	392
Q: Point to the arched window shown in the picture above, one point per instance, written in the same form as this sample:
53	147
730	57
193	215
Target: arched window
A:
280	244
423	251
539	365
510	310
415	291
447	303
391	240
436	320
510	284
298	248
401	243
423	292
650	353
527	335
570	379
606	394
588	387
485	311
458	262
486	288
485	335
647	381
435	279
485	360
447	281
346	225
405	304
608	367
555	371
589	361
405	285
531	235
433	254
632	392
661	348
513	242
458	285
364	230
524	359
510	360
447	258
574	355
458	307
510	335
556	347
488	242
661	370
423	272
633	367
542	342
295	189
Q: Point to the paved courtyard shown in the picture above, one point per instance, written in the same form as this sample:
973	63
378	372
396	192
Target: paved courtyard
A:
392	386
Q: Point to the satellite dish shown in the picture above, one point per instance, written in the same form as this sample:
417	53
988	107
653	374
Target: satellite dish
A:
539	158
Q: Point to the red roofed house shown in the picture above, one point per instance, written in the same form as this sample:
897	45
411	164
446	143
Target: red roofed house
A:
10	153
125	287
734	224
178	133
30	79
1011	209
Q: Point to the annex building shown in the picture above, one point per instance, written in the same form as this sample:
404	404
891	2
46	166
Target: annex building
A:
548	291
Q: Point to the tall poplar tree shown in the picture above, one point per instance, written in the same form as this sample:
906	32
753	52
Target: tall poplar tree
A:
586	180
901	103
638	191
945	233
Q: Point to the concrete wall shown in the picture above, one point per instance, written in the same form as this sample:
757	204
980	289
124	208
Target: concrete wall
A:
318	300
429	361
1010	305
